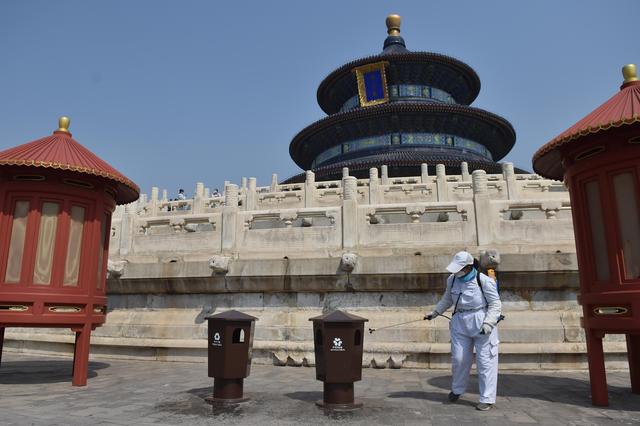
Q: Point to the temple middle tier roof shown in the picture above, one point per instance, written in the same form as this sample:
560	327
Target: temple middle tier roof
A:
485	128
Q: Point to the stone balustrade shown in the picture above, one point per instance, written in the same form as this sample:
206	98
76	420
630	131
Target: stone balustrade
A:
464	210
383	190
375	247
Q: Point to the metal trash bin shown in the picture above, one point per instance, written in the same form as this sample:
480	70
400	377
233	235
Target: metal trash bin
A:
230	344
338	343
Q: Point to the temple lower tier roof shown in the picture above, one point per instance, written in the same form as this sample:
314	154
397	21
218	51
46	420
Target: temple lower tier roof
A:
404	161
488	129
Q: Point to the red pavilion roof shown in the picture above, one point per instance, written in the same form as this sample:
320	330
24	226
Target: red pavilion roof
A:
60	151
621	109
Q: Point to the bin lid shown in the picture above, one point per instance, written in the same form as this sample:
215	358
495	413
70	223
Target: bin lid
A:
338	316
232	315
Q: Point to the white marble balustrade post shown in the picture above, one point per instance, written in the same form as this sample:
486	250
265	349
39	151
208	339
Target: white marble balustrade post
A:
374	187
464	167
153	205
198	199
310	189
442	190
424	173
482	206
349	212
384	174
509	176
252	197
230	219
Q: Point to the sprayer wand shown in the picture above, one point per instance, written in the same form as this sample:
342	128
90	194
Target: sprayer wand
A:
371	330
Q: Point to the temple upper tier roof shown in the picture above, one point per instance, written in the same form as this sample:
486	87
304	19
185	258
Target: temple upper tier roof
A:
61	152
622	109
404	67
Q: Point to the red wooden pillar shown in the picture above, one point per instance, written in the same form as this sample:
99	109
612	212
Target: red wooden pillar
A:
81	356
597	373
1	342
633	350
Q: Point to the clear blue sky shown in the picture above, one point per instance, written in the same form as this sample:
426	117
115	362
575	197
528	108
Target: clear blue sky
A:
175	92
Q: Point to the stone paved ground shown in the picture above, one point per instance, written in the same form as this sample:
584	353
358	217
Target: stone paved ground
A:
37	391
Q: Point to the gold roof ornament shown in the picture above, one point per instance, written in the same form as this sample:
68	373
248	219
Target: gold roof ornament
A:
63	124
393	25
630	73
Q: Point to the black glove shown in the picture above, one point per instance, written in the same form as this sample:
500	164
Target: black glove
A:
431	316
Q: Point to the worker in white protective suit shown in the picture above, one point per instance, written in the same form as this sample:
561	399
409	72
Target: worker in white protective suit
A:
473	324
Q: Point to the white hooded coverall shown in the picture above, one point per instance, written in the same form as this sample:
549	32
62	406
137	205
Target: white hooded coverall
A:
472	311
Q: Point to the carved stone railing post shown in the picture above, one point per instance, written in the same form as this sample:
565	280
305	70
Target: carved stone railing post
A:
165	195
384	174
482	205
441	183
153	205
243	183
345	172
374	186
231	195
230	219
349	212
480	182
464	167
310	189
198	199
127	229
509	176
274	183
424	172
252	197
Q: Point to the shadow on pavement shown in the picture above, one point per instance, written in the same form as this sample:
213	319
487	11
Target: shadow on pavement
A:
564	390
428	396
41	372
201	392
309	396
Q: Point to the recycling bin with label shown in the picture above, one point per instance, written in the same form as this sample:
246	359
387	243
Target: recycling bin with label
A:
230	343
338	342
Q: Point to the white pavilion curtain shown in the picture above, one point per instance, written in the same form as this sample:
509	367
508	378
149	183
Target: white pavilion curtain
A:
72	265
16	246
628	223
46	243
598	235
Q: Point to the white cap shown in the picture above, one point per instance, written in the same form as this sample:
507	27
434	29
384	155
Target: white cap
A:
459	261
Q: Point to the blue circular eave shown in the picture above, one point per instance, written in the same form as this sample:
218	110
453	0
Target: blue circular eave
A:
491	130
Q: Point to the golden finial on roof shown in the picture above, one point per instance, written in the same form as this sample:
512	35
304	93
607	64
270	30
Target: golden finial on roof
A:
393	25
630	73
63	124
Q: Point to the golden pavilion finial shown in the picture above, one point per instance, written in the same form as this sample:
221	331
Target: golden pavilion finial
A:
63	124
630	73
393	25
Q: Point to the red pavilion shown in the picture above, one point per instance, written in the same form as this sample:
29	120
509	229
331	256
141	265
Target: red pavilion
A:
56	201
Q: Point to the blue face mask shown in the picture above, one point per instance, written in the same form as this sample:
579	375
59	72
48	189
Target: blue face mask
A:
471	275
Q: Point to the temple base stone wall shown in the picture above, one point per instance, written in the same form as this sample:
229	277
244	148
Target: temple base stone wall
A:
374	247
162	320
